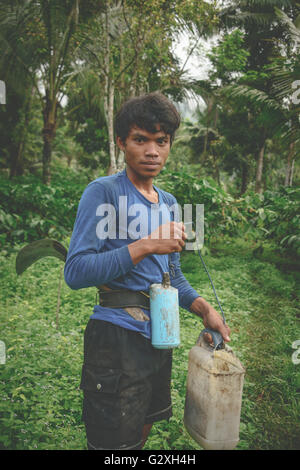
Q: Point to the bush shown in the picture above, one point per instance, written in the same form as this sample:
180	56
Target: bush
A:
31	210
272	216
220	216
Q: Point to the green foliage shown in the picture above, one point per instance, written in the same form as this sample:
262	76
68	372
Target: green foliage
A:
272	216
39	384
261	307
189	189
119	49
229	57
91	137
94	141
281	217
252	243
43	365
31	210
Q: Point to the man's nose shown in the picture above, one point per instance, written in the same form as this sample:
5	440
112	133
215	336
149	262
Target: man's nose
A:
151	150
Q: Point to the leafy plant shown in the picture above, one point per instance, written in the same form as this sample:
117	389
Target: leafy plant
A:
39	384
31	210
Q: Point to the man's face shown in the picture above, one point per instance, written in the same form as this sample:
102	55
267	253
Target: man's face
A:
145	153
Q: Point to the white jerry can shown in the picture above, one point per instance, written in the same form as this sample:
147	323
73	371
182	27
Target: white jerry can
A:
214	396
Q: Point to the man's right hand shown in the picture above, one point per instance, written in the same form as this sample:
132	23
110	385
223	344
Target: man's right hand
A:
167	238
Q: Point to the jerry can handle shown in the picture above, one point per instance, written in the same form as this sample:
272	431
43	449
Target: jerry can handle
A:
216	337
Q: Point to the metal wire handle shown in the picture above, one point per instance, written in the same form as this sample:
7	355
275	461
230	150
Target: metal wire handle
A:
199	252
202	260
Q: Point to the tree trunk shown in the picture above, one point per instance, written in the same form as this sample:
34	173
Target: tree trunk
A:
109	94
244	178
289	166
16	167
121	161
292	172
49	114
208	117
133	82
260	163
69	159
110	126
47	152
216	169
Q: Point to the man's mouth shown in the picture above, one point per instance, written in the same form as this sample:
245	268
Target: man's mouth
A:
151	164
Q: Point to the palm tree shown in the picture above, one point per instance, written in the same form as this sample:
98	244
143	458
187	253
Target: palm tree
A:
286	87
130	51
269	30
277	103
38	35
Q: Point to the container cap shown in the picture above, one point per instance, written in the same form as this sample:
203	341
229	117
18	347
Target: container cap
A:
166	280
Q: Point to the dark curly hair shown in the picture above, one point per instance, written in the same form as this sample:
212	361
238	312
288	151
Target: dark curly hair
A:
146	111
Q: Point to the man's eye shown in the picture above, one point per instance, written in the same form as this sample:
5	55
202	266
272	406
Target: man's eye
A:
162	141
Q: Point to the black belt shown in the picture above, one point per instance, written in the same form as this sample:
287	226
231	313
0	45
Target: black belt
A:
124	298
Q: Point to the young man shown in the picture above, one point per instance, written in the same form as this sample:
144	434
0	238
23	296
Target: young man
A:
120	246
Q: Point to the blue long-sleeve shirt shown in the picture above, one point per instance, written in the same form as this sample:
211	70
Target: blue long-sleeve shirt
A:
111	214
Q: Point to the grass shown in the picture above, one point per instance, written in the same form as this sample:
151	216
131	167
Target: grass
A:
261	308
39	384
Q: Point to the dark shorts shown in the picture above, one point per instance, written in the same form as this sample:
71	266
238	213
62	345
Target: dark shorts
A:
126	384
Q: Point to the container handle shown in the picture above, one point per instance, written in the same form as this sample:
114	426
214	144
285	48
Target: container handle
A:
216	337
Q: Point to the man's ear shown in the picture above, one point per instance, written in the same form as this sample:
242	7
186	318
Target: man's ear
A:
120	143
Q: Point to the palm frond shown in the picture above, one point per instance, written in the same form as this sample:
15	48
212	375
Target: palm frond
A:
258	19
250	94
269	3
282	81
292	29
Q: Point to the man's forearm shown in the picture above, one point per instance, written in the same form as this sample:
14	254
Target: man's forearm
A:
139	250
201	307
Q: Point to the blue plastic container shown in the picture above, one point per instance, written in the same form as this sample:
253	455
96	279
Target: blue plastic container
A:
164	310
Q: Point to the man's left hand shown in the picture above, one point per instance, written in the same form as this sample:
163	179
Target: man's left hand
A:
211	318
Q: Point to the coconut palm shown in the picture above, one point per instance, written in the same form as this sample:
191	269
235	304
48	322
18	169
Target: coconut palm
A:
37	35
271	29
277	102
